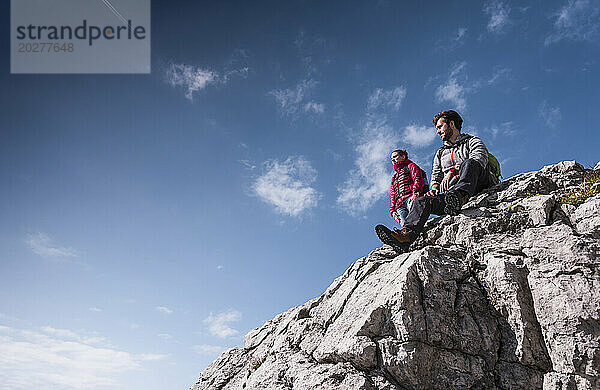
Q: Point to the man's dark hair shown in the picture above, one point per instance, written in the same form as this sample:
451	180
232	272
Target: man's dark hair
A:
401	152
449	116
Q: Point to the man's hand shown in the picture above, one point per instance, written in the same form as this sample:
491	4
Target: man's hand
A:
446	181
396	216
434	190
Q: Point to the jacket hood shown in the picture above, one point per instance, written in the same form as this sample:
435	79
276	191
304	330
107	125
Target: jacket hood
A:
459	139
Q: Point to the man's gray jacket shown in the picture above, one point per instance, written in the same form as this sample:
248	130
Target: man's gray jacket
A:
450	156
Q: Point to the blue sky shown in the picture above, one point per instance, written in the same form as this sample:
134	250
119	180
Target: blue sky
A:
150	221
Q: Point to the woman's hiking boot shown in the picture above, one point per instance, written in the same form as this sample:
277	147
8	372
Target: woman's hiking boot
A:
455	200
397	239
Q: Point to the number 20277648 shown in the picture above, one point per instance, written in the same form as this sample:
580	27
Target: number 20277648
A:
45	47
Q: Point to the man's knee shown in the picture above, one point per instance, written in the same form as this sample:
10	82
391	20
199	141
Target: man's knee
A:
471	164
471	171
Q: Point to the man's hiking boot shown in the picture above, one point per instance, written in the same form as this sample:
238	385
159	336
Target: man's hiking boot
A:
455	200
397	239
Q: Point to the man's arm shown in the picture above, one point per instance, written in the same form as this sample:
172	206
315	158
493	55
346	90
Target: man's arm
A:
393	197
478	151
437	174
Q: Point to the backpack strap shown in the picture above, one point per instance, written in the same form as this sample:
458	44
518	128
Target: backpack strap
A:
423	176
462	141
437	154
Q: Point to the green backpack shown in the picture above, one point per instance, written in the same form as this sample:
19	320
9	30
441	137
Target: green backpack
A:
494	167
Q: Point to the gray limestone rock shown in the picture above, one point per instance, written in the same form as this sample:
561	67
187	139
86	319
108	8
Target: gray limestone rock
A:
538	208
586	217
505	295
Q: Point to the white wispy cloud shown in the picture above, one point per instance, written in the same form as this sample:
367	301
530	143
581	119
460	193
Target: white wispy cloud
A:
90	338
96	309
205	349
549	114
453	91
578	20
499	75
219	267
292	100
242	72
314	107
419	136
195	78
498	13
386	99
458	68
165	336
461	33
41	244
505	129
192	78
60	359
163	309
287	185
314	51
368	181
248	164
458	84
218	325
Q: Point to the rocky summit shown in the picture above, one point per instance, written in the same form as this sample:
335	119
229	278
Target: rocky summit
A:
505	295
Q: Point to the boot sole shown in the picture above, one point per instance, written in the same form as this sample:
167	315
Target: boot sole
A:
452	204
385	235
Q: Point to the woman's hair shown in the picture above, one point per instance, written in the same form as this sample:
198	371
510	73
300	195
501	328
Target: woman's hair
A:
401	152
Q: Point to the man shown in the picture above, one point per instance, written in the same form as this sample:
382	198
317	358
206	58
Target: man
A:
407	184
460	170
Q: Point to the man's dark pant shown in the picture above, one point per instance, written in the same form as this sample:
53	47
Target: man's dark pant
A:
472	179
